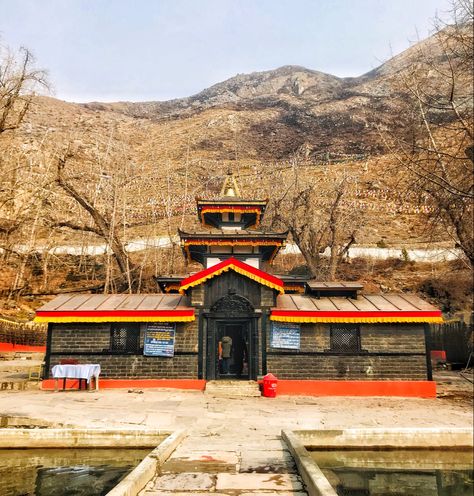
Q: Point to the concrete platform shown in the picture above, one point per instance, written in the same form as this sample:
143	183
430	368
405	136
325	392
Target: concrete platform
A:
258	482
238	435
9	366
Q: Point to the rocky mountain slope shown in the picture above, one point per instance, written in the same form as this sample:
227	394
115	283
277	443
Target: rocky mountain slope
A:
249	122
298	106
143	164
292	108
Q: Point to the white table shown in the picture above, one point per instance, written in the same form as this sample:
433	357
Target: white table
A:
80	371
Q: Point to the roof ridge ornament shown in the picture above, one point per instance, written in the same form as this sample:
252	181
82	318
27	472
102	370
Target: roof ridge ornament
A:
230	187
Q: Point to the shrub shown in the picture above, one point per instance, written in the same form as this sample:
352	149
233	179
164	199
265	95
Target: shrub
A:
452	291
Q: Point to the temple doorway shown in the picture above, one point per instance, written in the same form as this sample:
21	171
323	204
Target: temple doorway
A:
231	342
232	349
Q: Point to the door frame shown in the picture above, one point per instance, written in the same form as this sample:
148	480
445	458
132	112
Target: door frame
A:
211	359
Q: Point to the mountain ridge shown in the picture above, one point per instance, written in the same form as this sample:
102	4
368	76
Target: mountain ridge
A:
290	79
263	115
293	108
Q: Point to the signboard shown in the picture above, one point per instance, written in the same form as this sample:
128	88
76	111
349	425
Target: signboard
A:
159	339
285	335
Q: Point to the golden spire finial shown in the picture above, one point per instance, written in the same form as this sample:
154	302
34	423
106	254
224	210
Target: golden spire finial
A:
230	188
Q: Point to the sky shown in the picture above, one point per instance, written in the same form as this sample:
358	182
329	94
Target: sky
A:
139	50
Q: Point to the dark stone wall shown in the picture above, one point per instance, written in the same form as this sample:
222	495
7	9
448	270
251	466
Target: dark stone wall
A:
268	296
389	352
139	366
90	343
196	294
327	367
68	338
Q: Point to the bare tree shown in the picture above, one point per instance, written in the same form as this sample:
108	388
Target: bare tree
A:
436	154
103	214
20	192
318	217
19	82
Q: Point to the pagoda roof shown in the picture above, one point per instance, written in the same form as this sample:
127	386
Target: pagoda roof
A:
214	233
230	186
231	200
322	285
230	193
251	213
213	212
195	243
116	308
292	278
334	288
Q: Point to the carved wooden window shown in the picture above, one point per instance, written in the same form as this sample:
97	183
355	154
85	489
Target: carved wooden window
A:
345	338
125	338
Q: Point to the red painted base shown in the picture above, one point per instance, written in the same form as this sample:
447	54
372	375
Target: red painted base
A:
10	347
195	384
419	389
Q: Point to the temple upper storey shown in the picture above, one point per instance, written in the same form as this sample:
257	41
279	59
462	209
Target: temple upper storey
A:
230	211
229	229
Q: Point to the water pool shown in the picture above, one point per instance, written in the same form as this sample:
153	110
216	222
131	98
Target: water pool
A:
403	461
397	472
61	472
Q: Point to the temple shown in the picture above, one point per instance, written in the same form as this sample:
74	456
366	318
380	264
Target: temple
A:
316	337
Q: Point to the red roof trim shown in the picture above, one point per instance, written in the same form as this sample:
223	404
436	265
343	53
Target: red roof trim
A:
116	313
243	207
232	261
342	313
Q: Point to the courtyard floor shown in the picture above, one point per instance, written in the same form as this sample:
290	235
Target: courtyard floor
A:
233	444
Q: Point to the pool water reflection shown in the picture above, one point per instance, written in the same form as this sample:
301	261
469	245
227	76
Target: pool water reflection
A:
397	472
61	472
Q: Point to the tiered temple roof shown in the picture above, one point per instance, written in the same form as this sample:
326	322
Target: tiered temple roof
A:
214	242
230	210
231	222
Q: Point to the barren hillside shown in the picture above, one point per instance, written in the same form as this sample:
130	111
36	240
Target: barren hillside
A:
255	124
274	113
143	164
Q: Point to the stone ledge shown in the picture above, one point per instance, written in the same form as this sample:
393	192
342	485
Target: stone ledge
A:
138	478
403	438
81	438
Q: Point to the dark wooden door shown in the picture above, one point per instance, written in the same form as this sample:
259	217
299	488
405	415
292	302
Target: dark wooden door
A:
232	315
238	332
243	361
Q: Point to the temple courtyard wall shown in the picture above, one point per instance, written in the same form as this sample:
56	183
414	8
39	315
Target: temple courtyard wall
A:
91	343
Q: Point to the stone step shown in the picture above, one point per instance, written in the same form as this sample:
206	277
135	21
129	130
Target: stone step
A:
233	388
